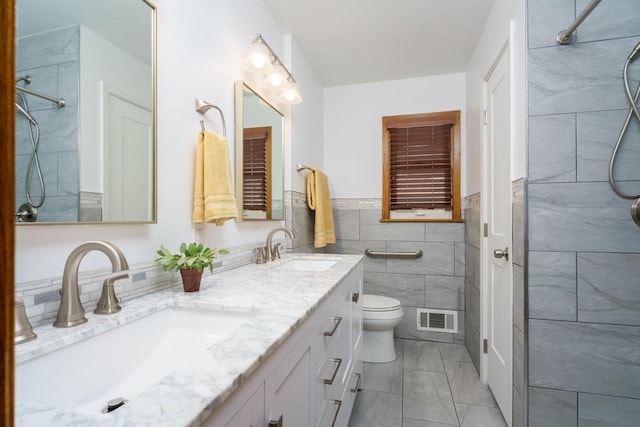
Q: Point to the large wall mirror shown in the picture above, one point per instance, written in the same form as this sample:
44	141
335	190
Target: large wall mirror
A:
259	156
93	159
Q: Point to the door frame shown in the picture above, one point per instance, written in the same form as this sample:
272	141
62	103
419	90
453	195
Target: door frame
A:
485	251
7	207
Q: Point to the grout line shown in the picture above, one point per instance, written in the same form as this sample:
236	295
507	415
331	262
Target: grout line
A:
455	408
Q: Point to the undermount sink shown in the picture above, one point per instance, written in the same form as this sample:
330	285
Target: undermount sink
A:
307	264
126	360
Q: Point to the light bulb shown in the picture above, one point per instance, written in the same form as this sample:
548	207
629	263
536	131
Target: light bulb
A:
258	59
291	94
277	79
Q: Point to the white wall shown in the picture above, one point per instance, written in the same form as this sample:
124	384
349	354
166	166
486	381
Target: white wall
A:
201	47
494	36
353	126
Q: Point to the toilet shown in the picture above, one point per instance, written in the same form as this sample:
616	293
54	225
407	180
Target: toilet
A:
379	316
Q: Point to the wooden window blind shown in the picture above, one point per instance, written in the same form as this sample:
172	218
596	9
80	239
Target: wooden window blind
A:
420	167
256	174
421	163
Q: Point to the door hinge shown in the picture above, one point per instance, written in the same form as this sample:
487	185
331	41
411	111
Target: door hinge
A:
485	120
485	347
486	230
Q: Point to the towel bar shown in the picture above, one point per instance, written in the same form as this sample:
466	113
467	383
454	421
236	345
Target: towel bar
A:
372	253
204	106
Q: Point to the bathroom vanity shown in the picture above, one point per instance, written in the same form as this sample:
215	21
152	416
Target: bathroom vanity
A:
264	345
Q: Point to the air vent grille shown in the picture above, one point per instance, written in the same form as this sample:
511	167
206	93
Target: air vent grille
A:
437	320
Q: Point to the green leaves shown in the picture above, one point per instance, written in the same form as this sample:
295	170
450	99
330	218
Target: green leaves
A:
191	257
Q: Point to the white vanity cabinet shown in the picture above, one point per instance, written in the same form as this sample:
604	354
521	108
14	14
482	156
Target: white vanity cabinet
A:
311	379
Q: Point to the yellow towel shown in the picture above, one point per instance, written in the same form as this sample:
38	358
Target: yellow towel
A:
319	200
213	195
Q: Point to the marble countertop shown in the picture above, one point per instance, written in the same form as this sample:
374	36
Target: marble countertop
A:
280	299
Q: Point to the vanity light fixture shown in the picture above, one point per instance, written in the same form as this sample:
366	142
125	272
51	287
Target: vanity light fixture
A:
263	60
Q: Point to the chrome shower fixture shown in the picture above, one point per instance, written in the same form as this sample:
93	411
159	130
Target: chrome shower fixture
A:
635	211
567	36
633	112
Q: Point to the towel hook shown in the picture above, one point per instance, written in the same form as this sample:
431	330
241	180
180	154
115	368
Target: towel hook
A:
300	167
204	106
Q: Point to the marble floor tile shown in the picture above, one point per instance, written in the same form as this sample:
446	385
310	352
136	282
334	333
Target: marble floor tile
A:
423	356
456	352
410	422
384	377
377	409
479	416
466	386
431	376
426	396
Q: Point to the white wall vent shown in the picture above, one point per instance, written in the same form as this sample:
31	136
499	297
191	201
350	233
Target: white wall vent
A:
437	320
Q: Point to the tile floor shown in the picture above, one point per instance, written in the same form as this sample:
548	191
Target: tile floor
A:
428	385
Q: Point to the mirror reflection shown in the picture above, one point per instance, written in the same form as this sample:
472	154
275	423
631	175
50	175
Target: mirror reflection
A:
259	157
90	158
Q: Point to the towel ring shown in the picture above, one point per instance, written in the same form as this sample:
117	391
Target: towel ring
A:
204	106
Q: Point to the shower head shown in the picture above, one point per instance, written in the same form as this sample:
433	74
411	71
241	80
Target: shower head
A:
26	114
634	52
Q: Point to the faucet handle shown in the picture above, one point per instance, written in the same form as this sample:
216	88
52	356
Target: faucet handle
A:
261	255
23	330
108	302
275	252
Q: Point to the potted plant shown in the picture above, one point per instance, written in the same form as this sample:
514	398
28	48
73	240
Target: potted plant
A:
190	262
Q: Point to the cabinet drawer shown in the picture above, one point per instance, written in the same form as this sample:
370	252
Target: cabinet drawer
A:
328	323
331	414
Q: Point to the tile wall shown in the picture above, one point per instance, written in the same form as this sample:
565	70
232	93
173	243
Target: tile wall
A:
437	280
584	249
52	61
518	221
473	233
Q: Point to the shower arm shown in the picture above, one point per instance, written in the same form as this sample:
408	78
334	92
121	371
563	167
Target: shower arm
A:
564	36
59	102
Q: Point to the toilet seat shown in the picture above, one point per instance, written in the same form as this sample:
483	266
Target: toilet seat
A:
378	303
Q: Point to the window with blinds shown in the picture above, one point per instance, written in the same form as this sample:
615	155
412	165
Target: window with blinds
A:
256	174
421	176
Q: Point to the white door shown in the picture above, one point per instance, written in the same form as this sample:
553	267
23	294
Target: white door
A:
129	183
498	269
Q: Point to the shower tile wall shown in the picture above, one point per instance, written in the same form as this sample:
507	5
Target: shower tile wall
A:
584	249
434	281
52	60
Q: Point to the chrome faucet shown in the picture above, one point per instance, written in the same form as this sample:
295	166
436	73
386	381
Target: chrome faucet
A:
71	312
271	252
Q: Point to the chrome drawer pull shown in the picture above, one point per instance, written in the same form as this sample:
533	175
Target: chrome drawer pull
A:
335	327
338	362
355	389
276	423
338	403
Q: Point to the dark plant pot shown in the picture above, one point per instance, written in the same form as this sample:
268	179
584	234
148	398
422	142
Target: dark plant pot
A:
191	280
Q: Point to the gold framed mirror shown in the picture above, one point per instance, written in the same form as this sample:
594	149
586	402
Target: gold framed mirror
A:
259	157
93	159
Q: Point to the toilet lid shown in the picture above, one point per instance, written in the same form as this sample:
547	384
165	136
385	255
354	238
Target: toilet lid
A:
379	303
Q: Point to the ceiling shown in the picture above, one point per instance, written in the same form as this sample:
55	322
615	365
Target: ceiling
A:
359	41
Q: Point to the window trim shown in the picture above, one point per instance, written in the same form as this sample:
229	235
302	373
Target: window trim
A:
414	120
